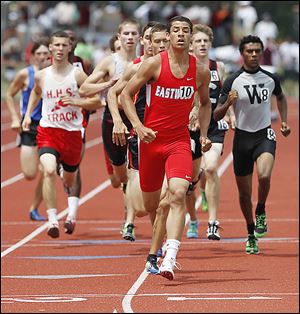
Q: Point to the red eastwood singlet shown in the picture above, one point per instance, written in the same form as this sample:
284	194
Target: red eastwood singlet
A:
169	99
169	102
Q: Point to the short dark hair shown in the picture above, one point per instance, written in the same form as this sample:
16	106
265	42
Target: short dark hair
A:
179	18
60	34
250	39
159	27
112	41
149	25
43	41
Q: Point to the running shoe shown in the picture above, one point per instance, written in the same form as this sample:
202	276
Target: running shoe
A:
166	268
34	215
151	265
69	225
252	245
261	227
192	232
204	203
213	231
129	232
53	229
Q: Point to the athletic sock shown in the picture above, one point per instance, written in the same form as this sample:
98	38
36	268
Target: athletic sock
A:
260	209
52	215
172	248
73	204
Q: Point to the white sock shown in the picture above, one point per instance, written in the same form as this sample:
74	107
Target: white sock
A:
193	221
172	248
52	214
73	204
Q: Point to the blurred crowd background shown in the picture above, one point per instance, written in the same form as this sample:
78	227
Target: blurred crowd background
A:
94	22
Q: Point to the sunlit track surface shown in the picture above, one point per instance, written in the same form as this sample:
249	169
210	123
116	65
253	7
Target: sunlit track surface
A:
95	271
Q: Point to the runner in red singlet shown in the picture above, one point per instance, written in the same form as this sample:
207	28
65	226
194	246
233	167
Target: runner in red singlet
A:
172	78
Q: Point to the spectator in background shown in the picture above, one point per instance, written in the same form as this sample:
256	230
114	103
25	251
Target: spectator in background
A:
146	12
221	23
198	14
246	16
85	51
11	51
173	8
67	14
266	28
289	57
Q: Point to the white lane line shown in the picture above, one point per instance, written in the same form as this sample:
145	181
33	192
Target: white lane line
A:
8	146
126	303
226	298
36	232
12	180
20	176
62	276
5	126
143	295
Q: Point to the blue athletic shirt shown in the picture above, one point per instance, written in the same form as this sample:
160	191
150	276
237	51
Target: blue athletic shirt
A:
37	112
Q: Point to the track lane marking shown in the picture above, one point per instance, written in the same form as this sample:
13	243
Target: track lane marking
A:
36	232
20	176
126	302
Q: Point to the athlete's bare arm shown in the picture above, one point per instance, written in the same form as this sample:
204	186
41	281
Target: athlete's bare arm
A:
94	83
221	109
148	71
15	86
282	107
88	103
203	80
229	116
35	97
119	128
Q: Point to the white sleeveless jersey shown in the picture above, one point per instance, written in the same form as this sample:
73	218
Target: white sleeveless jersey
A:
54	114
119	69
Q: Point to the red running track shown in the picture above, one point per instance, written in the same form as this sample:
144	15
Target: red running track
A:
95	271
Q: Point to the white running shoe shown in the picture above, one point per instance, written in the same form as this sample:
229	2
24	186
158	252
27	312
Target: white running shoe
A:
167	266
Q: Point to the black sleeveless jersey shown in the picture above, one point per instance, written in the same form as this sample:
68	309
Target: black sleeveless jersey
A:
140	98
215	87
140	103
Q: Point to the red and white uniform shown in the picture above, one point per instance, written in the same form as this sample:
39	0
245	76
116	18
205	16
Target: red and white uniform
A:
168	104
60	125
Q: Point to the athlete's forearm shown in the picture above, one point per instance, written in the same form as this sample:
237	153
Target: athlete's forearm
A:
282	107
130	109
33	101
204	117
90	89
112	101
12	108
90	103
220	111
